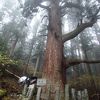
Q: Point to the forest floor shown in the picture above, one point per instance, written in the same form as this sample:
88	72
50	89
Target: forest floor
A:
12	88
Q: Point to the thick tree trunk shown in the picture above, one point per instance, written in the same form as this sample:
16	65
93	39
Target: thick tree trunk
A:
53	69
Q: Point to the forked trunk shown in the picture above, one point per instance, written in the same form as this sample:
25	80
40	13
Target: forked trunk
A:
53	70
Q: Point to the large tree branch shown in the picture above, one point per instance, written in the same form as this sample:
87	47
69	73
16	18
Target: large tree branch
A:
12	73
72	62
81	27
77	31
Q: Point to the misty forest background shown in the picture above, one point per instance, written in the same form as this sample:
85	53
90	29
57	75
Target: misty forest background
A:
23	38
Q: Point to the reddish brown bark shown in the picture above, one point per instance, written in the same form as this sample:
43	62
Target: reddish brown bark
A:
53	70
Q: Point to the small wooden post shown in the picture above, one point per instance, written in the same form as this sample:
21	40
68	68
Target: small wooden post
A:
86	94
30	92
79	95
24	92
83	95
57	96
73	94
38	93
66	92
48	92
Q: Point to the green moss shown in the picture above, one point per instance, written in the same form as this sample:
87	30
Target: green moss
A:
2	92
5	60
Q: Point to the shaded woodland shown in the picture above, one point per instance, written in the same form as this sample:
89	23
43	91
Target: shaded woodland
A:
58	40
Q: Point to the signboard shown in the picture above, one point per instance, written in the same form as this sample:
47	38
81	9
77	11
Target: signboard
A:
41	82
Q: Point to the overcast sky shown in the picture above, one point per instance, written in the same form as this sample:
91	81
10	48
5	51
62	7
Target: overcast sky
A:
10	5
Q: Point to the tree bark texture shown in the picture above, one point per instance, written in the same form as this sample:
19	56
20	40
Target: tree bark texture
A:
53	69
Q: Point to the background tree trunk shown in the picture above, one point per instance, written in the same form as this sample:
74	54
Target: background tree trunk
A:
13	47
29	57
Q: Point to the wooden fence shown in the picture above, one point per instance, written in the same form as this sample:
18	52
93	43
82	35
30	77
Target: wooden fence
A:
70	94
